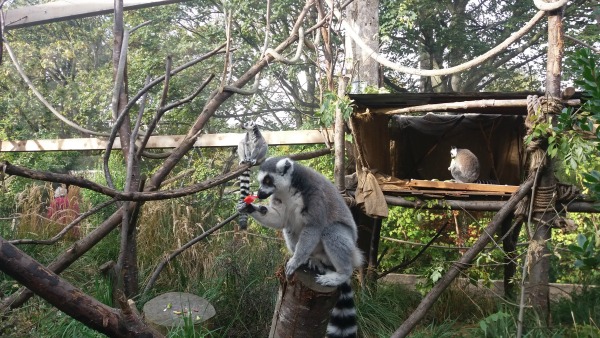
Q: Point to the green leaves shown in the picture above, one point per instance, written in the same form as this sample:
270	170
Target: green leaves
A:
586	253
589	80
332	102
499	324
592	182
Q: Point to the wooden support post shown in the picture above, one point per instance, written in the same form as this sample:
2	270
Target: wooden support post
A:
303	307
538	290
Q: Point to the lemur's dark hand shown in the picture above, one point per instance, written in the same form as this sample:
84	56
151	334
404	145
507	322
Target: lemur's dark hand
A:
249	208
246	208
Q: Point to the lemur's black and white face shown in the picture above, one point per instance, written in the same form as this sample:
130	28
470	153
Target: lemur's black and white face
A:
249	125
275	174
453	152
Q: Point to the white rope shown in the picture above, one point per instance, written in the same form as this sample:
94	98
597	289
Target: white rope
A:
452	70
296	57
549	6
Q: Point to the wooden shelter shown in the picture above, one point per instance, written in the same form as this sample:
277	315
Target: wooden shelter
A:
404	141
410	152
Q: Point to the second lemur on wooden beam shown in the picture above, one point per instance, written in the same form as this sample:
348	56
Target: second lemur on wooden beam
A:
252	149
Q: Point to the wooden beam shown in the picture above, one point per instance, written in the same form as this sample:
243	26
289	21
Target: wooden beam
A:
395	185
464	105
171	141
70	9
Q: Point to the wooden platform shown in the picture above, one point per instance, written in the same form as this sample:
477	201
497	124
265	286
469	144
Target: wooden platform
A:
390	185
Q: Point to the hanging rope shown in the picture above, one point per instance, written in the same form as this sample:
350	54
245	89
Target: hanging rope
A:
545	197
538	111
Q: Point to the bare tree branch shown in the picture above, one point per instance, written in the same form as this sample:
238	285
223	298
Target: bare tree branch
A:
69	299
120	196
586	45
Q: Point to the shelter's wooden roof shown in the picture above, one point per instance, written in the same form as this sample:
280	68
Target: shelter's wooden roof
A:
383	102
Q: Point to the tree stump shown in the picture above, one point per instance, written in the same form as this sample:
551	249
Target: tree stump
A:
303	306
173	309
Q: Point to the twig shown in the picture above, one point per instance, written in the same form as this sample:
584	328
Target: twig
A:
422	251
586	45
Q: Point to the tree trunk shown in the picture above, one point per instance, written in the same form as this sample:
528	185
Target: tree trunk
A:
363	17
70	300
126	267
303	306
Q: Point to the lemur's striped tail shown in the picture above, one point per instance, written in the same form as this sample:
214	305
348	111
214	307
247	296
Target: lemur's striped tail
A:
342	323
244	191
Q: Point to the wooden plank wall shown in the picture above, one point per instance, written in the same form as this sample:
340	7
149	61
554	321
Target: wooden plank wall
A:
206	140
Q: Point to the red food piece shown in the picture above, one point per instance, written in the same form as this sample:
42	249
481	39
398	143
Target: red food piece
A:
249	199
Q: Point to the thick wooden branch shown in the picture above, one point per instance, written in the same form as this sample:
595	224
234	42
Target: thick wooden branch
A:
11	169
65	259
465	105
122	196
474	205
69	299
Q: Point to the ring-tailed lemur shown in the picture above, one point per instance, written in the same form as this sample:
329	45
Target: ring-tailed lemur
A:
318	229
464	165
252	149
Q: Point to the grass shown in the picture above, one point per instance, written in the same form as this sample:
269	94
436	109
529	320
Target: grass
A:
236	274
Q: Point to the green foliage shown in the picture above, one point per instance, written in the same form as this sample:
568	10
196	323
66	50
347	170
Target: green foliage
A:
499	324
432	274
331	103
379	311
573	138
586	62
582	311
414	225
587	256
